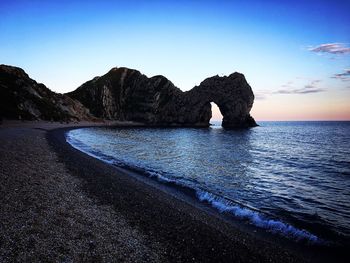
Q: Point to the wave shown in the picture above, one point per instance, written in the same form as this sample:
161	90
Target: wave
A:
222	204
256	218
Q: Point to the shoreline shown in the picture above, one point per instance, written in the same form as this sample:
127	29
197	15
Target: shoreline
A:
212	202
186	230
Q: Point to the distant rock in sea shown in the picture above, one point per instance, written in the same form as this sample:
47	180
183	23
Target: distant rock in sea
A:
23	98
127	95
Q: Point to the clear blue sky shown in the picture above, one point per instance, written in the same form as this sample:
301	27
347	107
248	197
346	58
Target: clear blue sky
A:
277	45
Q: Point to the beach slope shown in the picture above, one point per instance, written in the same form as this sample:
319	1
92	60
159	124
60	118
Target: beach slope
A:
59	204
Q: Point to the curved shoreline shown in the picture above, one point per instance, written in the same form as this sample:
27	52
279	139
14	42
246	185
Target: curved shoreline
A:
163	215
185	230
221	203
192	216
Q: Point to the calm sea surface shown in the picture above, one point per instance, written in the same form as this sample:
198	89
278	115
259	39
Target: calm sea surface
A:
291	178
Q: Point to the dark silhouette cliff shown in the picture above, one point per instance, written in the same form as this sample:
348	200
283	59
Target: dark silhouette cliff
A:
23	98
127	95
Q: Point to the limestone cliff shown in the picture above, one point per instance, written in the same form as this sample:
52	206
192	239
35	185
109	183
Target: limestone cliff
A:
23	98
127	95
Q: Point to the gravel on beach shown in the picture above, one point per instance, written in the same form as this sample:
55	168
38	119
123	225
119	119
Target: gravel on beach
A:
45	216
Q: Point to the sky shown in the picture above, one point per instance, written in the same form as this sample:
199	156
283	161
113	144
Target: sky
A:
294	54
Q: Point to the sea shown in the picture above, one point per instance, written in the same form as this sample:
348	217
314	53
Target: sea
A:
288	178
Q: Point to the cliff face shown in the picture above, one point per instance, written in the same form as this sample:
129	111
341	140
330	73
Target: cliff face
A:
23	98
127	95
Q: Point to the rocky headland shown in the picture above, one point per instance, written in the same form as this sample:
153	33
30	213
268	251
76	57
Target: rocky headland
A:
127	95
22	98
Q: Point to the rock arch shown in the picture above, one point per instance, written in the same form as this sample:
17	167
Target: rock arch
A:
232	94
126	94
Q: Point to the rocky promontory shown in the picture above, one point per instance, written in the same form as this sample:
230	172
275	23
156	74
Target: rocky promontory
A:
125	94
22	98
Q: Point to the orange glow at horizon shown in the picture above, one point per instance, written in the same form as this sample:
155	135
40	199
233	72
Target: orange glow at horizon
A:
297	108
215	111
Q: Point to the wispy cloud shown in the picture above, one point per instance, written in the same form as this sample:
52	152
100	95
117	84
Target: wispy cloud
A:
305	90
345	76
315	81
289	88
261	94
331	48
288	84
292	87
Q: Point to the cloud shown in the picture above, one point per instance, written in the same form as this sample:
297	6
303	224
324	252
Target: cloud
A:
345	76
288	84
291	88
315	81
260	96
307	89
331	48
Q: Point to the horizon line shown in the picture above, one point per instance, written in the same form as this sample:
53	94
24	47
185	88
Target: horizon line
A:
344	120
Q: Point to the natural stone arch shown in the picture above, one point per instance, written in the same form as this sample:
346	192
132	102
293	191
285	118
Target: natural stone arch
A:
127	95
231	94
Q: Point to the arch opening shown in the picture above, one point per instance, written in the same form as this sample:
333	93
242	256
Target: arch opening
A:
216	115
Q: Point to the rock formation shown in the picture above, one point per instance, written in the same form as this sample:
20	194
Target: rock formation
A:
127	95
23	98
232	94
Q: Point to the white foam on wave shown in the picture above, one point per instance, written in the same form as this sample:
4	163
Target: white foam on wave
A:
160	177
257	219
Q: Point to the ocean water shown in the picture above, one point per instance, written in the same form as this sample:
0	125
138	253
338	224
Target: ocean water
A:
290	178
